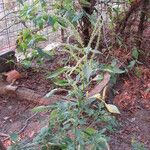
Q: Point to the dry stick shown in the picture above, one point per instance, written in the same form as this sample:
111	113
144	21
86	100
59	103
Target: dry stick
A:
76	66
23	128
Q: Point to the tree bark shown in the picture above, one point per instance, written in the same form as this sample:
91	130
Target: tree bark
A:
132	9
87	26
144	10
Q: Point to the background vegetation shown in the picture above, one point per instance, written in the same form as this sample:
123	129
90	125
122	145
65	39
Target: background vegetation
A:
90	36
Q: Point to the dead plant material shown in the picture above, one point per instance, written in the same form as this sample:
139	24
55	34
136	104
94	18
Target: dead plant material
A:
134	92
11	76
23	93
100	86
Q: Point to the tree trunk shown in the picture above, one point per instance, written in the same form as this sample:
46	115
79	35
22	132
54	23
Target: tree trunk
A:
123	23
144	11
86	24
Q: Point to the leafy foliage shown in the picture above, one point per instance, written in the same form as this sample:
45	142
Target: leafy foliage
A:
83	121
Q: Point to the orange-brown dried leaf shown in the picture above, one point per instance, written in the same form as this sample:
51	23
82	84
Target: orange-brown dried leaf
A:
12	76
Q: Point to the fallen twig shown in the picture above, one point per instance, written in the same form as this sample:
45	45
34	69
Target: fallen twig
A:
21	130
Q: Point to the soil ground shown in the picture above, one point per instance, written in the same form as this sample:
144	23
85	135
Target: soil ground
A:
132	97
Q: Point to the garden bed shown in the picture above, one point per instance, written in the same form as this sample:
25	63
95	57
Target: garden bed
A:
132	98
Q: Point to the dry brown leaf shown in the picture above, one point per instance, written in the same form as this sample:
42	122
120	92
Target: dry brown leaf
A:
99	87
12	76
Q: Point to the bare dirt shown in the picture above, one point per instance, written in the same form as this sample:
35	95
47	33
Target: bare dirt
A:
13	119
16	115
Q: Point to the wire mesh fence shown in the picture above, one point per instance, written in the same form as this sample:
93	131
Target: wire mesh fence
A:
9	28
10	25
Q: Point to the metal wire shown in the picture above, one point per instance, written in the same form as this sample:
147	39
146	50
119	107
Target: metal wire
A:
9	27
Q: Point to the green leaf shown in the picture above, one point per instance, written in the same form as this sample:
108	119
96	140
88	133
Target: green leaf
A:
31	43
56	73
43	3
112	108
112	69
85	3
90	131
43	132
78	16
114	63
54	114
20	1
26	63
61	82
132	64
39	38
14	137
87	70
135	53
51	21
117	70
26	33
62	22
41	109
39	21
98	78
43	54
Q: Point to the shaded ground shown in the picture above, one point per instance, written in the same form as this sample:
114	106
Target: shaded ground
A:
134	127
14	115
